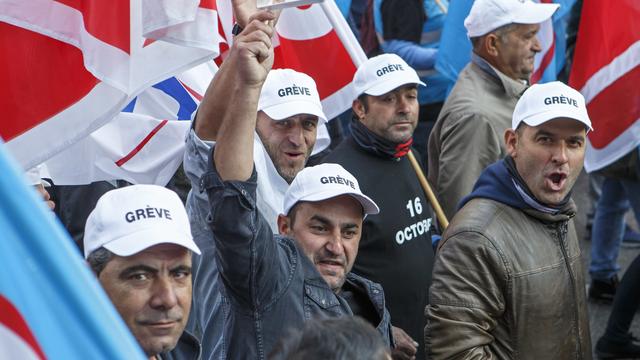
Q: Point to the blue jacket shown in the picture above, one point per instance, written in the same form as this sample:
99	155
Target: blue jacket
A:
271	285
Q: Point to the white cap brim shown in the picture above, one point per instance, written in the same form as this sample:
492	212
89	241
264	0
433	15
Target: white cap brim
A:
136	242
543	117
389	85
292	108
368	205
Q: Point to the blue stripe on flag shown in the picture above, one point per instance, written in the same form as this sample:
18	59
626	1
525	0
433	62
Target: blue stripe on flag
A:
44	276
129	108
173	88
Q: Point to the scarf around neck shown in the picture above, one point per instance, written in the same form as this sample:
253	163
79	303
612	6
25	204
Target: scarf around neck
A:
376	144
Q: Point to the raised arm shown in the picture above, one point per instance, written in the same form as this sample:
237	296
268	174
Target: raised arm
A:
214	103
241	76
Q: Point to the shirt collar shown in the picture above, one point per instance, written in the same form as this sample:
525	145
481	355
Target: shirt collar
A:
513	88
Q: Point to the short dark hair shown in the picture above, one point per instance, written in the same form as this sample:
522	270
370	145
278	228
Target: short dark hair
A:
98	259
364	100
293	212
343	338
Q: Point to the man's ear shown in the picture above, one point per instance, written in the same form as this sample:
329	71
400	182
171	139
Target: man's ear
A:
358	109
284	224
491	45
511	142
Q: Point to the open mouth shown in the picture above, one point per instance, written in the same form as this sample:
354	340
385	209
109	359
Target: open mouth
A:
556	181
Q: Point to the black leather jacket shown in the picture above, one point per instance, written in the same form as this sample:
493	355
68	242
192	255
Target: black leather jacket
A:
271	285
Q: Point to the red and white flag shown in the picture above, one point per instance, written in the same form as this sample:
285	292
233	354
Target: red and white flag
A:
69	66
316	40
606	70
143	144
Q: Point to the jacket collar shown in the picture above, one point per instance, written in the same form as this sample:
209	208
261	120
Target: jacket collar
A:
513	88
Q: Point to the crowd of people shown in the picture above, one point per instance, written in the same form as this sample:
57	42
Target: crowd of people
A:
272	258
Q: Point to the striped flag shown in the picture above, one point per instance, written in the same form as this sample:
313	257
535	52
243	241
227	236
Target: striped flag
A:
144	143
69	66
316	40
606	70
51	305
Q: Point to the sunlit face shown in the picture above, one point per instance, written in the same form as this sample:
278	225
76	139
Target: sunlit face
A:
288	142
393	116
328	232
516	51
152	292
548	157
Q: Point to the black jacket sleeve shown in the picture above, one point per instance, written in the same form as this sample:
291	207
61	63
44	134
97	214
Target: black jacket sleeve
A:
402	19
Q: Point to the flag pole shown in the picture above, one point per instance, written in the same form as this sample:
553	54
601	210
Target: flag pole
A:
442	218
345	34
358	56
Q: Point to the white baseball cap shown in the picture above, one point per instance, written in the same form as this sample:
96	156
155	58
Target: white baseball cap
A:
383	73
128	220
326	181
543	102
488	15
286	93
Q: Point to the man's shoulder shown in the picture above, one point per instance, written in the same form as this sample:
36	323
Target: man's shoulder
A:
481	215
187	348
350	155
346	147
474	91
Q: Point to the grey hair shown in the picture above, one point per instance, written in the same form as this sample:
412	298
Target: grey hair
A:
500	32
98	259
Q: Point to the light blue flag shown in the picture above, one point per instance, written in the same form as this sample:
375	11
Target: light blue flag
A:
51	305
455	46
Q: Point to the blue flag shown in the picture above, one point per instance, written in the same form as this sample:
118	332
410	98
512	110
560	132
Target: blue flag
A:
51	305
455	46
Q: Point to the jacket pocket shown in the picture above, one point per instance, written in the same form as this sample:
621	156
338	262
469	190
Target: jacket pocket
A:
320	301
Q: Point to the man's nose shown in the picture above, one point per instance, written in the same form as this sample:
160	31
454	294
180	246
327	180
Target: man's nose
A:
164	294
335	244
296	135
536	47
404	105
560	153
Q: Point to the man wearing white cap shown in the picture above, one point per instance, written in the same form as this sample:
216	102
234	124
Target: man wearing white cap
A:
138	242
508	279
479	108
395	249
274	283
288	114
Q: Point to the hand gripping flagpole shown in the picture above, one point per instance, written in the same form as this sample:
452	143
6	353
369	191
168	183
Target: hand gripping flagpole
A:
358	56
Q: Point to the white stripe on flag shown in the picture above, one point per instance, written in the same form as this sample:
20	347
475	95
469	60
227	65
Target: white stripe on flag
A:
604	77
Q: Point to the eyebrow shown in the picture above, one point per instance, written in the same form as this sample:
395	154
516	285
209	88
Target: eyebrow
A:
181	268
320	219
136	268
350	226
326	221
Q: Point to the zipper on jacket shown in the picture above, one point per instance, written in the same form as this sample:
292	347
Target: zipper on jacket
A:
562	233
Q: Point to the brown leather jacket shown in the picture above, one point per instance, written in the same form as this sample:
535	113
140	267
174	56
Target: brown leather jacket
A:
508	284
